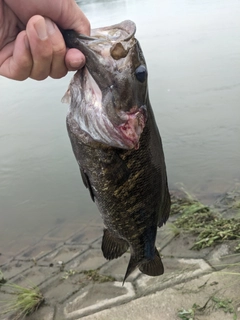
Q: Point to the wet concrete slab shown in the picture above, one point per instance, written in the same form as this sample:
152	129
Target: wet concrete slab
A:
97	243
62	255
14	248
117	268
86	236
97	297
14	268
63	287
166	304
4	259
91	259
181	247
5	299
39	250
77	282
224	255
64	232
71	294
164	236
35	276
177	270
45	313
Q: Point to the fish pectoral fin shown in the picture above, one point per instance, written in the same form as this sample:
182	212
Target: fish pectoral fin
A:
113	247
87	183
152	267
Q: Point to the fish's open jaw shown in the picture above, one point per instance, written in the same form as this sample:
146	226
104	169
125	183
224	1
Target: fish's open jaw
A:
133	127
120	129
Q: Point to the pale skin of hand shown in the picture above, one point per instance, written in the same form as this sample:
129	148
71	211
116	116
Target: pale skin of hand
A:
31	44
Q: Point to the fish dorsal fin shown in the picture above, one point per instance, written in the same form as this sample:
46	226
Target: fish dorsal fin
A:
113	247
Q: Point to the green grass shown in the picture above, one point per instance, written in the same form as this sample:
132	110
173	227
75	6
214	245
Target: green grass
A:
2	279
188	314
90	275
68	273
214	302
95	276
208	225
181	202
225	304
25	301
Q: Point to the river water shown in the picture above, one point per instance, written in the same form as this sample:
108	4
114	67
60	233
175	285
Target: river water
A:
192	49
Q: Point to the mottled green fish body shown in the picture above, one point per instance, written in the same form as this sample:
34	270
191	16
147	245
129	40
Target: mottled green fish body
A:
117	144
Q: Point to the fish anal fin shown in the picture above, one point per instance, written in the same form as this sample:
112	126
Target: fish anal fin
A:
152	267
113	247
87	183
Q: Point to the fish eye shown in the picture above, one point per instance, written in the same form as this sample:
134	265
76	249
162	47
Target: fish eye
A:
141	73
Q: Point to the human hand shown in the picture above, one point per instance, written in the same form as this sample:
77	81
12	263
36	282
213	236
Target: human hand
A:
31	44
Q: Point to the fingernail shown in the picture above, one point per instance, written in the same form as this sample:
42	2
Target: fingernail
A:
40	27
50	26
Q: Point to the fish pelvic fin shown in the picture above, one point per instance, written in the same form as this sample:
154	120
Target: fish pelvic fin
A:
113	247
152	267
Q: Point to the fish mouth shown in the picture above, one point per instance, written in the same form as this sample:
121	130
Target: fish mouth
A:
133	126
119	129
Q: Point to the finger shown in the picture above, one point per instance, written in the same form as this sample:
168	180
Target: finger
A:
58	67
66	14
74	59
41	47
72	17
16	59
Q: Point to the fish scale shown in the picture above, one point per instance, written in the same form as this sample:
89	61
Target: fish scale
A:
124	171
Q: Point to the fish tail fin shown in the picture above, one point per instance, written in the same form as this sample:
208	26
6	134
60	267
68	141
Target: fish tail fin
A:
113	247
132	265
152	267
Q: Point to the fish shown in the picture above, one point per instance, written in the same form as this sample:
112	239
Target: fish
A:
116	142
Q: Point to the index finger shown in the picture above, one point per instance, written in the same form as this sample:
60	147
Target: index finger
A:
66	14
16	59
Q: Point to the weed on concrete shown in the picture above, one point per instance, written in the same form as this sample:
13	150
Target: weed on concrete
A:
25	301
2	279
95	276
205	222
213	302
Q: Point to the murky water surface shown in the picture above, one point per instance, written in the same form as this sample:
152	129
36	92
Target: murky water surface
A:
193	53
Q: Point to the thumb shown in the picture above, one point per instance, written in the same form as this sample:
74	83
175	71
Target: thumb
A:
72	17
